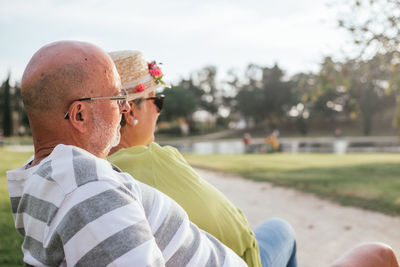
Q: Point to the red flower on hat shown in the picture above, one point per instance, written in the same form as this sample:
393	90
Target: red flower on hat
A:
140	88
155	72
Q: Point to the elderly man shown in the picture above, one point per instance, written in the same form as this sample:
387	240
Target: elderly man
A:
73	207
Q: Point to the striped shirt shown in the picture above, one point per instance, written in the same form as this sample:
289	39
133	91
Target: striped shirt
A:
75	209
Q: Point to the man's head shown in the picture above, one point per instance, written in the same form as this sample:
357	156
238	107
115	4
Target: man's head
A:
55	80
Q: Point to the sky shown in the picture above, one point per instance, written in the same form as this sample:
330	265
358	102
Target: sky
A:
184	35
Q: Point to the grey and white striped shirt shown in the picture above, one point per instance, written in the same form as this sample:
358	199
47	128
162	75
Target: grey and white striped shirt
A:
75	209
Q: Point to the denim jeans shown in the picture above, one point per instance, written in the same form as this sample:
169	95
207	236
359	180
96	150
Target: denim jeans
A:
277	243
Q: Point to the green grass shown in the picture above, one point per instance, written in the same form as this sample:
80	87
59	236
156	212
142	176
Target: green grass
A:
370	181
10	240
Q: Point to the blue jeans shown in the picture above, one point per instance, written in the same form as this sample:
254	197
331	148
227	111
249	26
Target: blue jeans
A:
277	243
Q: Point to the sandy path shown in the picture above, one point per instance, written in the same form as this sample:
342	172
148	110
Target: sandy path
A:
324	229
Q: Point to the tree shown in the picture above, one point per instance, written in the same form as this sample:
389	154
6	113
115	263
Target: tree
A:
265	95
7	119
250	103
369	84
205	89
322	96
374	25
305	92
180	102
277	93
18	107
13	116
332	89
354	88
213	96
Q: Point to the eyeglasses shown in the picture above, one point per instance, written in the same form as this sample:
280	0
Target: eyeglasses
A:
121	99
158	101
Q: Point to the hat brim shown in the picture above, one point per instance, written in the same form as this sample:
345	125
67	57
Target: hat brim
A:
143	94
148	82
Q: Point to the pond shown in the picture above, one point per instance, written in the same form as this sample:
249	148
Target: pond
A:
297	145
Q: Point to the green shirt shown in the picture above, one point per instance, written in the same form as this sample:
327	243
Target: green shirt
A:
165	169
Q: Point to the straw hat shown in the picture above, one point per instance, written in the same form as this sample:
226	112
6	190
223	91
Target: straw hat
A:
138	77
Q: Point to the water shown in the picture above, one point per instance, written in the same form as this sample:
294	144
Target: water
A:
301	145
288	145
216	147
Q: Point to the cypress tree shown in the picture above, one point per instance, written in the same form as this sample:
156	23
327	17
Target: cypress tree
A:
7	119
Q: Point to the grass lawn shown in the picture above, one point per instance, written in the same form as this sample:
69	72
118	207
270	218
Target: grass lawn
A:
10	240
370	181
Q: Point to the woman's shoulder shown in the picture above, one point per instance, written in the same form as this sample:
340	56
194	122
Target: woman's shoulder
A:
167	153
167	149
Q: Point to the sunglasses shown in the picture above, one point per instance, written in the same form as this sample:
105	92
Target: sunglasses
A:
157	100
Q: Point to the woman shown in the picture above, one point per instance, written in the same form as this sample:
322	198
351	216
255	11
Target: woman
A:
271	244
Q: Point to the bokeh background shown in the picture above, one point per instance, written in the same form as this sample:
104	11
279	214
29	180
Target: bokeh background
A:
299	93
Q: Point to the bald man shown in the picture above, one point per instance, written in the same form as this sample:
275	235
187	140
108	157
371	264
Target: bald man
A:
58	74
73	207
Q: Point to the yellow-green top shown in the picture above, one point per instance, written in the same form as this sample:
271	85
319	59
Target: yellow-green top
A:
165	169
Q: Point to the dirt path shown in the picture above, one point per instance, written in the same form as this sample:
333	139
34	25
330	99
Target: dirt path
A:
324	229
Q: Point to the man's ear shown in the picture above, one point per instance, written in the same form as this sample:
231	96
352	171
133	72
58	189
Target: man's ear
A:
78	116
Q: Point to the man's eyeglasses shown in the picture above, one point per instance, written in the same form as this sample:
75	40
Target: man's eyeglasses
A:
121	99
158	101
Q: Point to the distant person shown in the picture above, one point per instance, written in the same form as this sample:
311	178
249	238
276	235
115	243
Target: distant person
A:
21	130
276	133
165	169
272	141
248	143
184	126
73	207
338	132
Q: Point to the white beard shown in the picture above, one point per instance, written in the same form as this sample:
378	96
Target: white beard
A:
117	136
106	135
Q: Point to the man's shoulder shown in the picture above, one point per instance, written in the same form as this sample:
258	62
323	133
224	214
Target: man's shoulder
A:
64	171
72	167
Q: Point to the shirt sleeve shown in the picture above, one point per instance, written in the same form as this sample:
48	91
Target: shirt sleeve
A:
102	224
